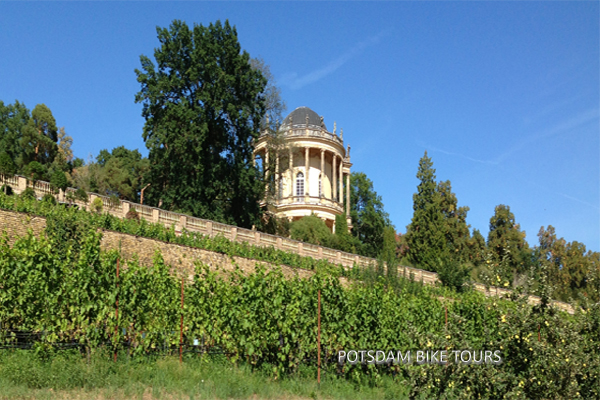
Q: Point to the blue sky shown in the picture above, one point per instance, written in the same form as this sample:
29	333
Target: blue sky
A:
504	96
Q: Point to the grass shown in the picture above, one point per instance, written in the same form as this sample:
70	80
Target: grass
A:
67	375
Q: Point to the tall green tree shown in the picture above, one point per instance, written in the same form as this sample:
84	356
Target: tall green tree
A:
40	137
13	119
274	104
549	254
203	104
456	229
342	239
477	248
369	218
507	243
575	270
122	172
425	235
566	266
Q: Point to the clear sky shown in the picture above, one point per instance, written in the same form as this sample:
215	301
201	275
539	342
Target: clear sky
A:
504	96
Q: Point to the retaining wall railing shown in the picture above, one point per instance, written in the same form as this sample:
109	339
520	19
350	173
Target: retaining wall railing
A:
211	228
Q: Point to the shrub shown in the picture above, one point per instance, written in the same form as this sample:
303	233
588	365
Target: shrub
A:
28	193
48	198
70	196
81	195
453	274
311	229
58	180
275	225
97	205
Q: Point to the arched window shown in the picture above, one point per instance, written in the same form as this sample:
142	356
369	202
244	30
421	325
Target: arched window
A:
300	184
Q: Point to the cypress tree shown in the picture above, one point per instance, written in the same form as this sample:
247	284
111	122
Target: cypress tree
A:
425	234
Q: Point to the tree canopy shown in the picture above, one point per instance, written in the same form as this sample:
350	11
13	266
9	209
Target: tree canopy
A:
368	216
40	136
507	242
31	143
203	104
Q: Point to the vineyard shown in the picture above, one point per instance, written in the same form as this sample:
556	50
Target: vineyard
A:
64	291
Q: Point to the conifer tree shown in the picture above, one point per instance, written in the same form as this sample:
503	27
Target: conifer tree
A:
507	243
477	248
456	229
425	234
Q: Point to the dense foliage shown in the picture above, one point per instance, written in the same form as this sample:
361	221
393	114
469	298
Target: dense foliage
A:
203	103
67	290
33	145
369	218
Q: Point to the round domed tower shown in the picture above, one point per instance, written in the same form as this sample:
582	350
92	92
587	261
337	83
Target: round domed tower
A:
306	167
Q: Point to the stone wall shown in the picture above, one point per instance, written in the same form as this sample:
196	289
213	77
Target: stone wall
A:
182	259
14	224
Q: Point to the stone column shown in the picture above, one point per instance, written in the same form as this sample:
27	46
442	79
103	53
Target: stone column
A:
22	185
266	169
266	163
334	174
322	171
126	207
347	195
341	192
291	168
277	177
306	170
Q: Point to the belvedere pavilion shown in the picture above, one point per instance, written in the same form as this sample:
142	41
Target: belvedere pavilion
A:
309	169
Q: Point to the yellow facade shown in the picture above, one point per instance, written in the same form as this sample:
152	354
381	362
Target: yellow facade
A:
309	167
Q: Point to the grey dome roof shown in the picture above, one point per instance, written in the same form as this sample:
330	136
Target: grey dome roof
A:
298	117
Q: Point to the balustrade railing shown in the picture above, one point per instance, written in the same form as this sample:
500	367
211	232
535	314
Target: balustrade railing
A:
168	218
300	130
10	180
314	200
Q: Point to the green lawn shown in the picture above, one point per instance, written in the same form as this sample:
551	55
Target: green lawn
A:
24	375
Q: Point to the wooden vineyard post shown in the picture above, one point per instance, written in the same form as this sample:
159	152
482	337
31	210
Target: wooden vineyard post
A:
319	338
181	327
446	314
117	314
